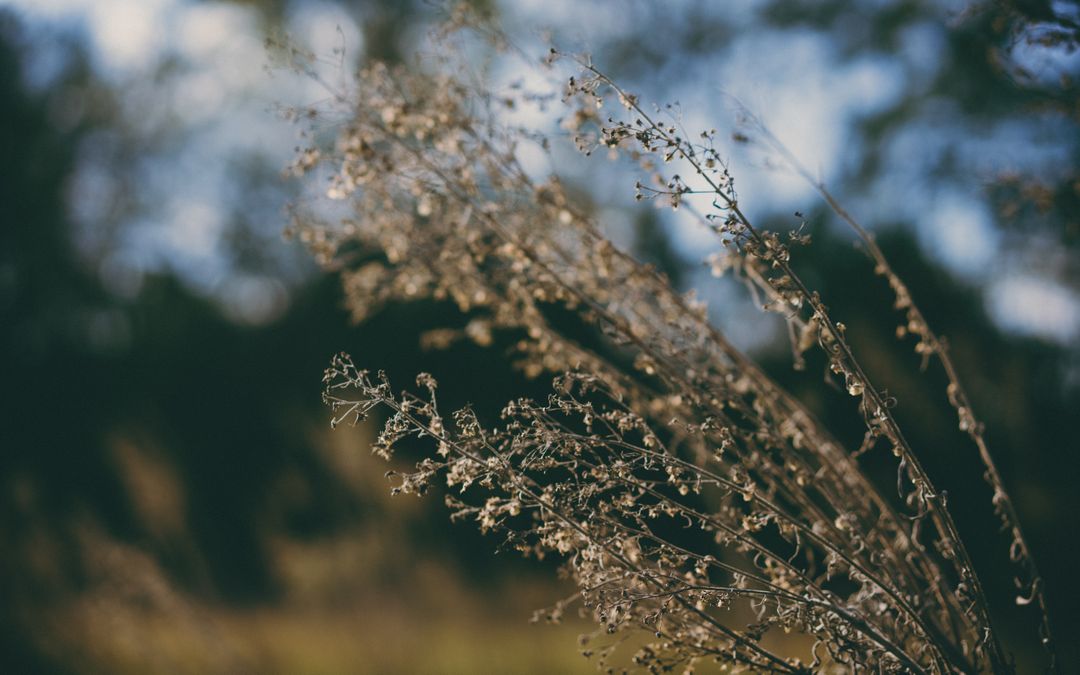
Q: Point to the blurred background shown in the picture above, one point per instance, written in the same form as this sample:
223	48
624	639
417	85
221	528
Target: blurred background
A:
171	496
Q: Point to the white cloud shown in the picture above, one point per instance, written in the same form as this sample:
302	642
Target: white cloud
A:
961	232
205	29
194	228
1033	306
128	34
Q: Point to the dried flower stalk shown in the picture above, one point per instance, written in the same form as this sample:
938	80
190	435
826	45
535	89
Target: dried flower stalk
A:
688	494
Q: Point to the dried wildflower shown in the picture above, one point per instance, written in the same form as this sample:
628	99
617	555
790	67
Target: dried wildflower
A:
688	495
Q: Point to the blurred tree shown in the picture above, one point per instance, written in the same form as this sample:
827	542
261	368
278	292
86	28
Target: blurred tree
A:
226	412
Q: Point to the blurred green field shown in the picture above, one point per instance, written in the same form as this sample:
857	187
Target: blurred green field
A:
360	600
98	639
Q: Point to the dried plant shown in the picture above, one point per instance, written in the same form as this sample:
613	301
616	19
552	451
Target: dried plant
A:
687	493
